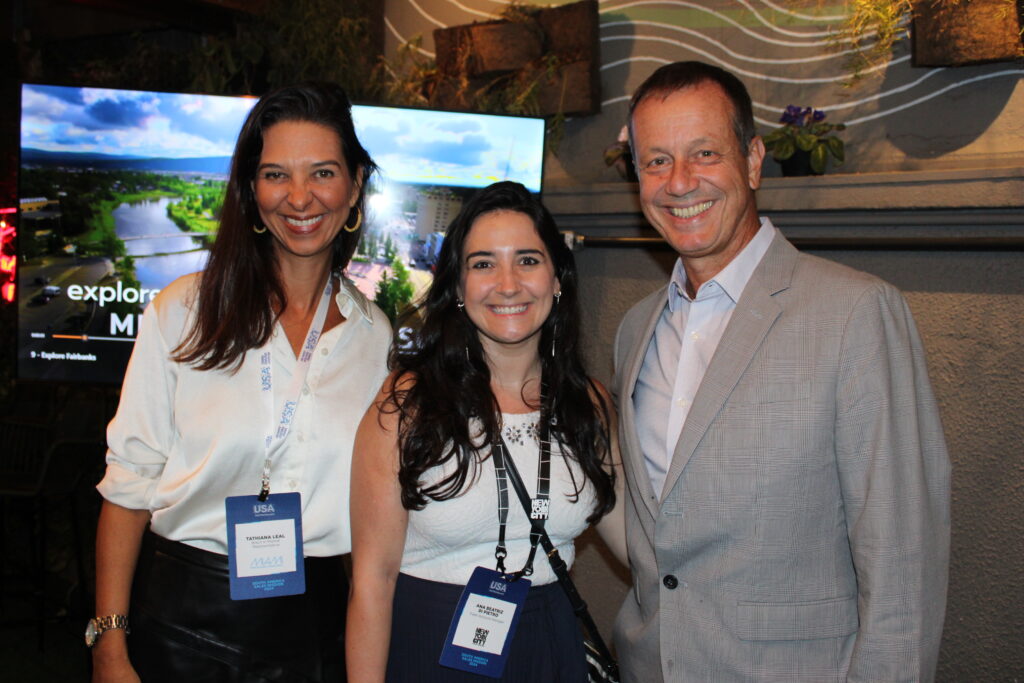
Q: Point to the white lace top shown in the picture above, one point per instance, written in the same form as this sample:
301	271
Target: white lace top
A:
447	539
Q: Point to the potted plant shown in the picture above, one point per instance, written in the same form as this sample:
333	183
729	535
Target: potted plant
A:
804	142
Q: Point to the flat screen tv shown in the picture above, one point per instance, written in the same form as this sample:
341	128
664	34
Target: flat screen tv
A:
120	192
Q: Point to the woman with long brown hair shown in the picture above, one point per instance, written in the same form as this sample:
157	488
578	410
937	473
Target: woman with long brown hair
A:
226	494
494	377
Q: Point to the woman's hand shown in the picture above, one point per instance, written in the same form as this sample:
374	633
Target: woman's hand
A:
110	659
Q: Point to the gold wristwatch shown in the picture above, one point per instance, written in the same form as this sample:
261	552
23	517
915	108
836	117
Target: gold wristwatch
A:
97	626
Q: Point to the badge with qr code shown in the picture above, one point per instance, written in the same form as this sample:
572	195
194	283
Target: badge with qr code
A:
484	623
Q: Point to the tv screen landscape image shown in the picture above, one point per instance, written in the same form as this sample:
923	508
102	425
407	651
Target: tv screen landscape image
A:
120	192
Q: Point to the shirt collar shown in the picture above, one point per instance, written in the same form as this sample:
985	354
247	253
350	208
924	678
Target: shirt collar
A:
350	299
734	277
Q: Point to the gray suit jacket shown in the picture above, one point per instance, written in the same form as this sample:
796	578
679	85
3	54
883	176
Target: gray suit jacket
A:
804	530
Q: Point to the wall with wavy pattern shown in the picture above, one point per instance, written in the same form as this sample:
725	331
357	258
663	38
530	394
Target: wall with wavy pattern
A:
899	117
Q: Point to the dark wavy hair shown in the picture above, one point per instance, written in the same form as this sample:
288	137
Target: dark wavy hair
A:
240	292
443	380
678	76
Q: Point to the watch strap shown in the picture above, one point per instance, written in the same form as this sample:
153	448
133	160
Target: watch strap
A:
101	625
112	621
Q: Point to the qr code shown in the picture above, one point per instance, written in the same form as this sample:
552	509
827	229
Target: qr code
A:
480	637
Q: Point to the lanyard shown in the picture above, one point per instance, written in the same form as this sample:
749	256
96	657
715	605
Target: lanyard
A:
540	504
276	434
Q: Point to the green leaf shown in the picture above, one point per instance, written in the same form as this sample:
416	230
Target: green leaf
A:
835	145
784	149
819	156
806	141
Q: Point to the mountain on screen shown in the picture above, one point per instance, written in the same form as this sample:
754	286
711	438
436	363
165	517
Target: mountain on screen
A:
30	156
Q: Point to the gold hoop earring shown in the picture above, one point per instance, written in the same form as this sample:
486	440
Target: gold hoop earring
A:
359	221
259	230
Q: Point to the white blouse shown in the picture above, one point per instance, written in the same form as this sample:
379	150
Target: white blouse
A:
183	440
448	539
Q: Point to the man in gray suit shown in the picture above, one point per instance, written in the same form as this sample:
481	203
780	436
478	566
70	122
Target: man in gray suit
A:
787	502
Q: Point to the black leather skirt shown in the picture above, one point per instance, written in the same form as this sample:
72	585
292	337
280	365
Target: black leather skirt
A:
186	627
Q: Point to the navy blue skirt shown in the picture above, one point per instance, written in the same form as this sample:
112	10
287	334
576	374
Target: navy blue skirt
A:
547	645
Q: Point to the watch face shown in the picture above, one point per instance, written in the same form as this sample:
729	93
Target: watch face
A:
91	634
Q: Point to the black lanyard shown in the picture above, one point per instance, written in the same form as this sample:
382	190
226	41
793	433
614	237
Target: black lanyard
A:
540	504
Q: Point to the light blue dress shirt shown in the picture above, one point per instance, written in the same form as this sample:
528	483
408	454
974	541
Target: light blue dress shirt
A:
685	339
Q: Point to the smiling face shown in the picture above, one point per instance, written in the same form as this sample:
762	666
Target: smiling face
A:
508	281
303	189
696	184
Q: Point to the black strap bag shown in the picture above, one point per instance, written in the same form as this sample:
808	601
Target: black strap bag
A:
601	665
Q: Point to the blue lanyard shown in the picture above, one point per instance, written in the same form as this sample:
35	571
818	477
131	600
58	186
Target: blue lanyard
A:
290	400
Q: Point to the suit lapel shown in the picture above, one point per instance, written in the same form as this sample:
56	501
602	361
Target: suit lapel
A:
754	315
632	454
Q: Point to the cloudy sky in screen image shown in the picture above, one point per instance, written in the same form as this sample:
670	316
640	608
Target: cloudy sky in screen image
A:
130	122
410	145
447	148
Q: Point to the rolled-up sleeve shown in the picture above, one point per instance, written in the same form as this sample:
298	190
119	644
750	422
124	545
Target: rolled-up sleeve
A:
140	436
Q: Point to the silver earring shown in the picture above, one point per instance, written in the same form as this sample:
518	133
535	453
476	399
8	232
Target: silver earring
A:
460	304
558	296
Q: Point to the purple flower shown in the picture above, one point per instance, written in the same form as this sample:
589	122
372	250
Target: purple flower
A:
793	115
818	115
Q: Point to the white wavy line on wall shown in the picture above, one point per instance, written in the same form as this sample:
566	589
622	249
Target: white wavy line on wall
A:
489	15
849	104
758	105
820	57
426	16
869	117
726	19
616	100
940	91
403	41
779	29
743	72
798	15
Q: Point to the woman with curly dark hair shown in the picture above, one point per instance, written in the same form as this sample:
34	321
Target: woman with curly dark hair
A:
493	374
225	514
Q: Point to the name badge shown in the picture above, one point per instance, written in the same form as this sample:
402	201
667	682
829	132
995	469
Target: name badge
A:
484	622
265	546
